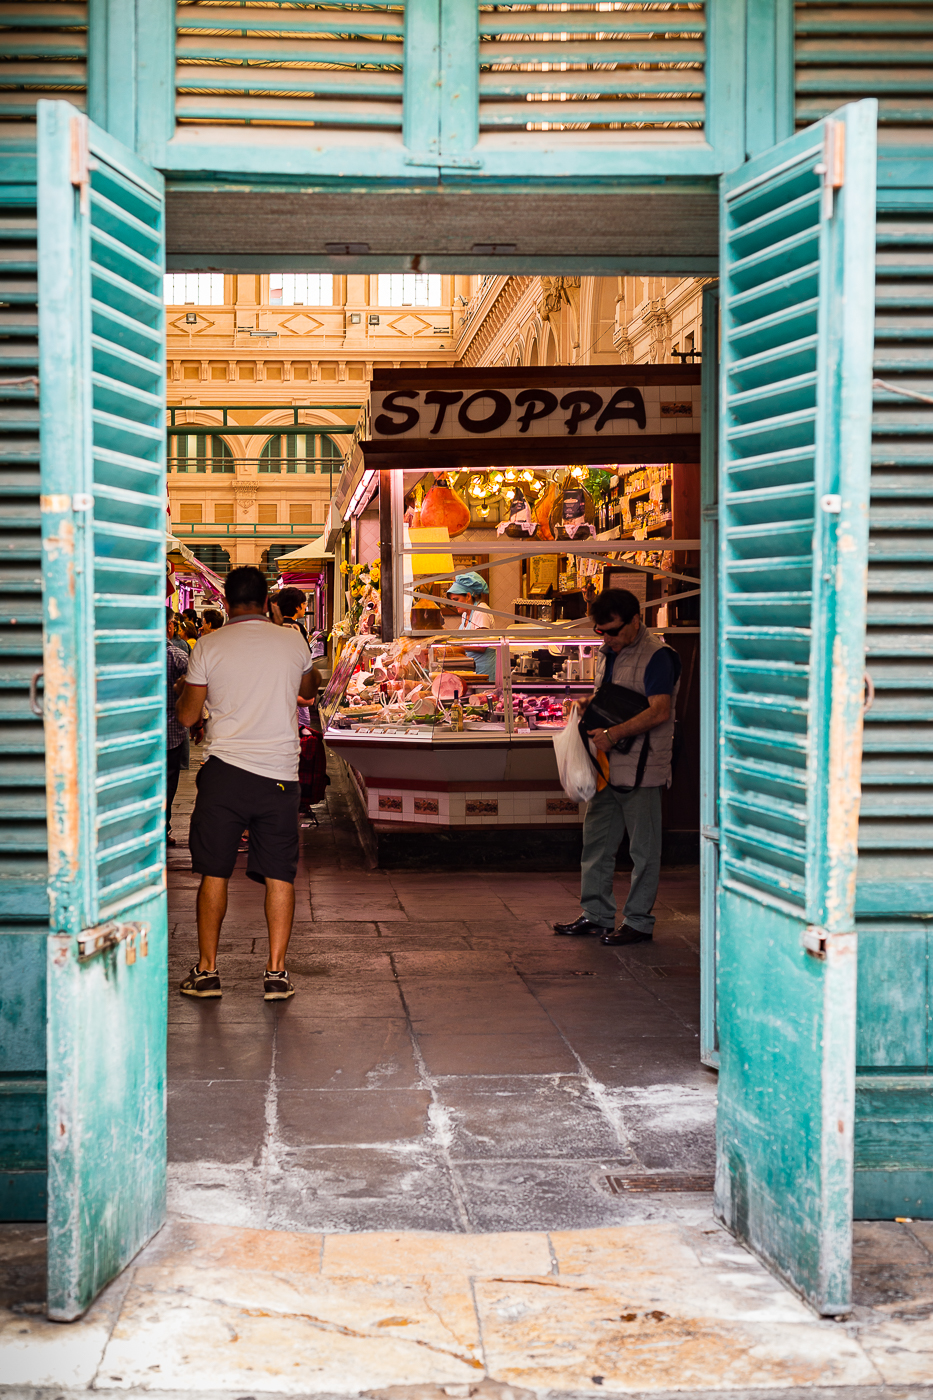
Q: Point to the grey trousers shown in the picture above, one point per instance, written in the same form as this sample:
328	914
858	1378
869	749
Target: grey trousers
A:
609	815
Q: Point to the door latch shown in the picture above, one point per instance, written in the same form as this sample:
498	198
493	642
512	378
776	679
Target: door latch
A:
96	940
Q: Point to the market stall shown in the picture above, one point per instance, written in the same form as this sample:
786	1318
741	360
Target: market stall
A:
535	482
188	581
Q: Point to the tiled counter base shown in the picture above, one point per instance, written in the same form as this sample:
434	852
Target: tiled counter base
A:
650	1308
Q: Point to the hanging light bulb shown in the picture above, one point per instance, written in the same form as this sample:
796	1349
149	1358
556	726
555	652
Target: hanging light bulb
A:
511	474
484	510
528	476
510	494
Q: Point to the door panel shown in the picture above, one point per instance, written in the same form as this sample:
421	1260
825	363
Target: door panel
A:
23	867
102	357
894	893
797	298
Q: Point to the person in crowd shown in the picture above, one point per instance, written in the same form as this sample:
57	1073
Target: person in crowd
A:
468	592
177	734
635	763
292	604
212	619
251	674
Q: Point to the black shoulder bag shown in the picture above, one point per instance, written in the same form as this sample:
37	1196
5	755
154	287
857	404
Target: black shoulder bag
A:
611	705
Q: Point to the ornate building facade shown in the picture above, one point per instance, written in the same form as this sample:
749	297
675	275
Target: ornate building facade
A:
580	320
283	362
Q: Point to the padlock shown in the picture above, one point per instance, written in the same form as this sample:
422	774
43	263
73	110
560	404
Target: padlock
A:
130	949
144	940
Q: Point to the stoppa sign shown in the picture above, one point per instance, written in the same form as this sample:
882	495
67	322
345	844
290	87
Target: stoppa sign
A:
607	411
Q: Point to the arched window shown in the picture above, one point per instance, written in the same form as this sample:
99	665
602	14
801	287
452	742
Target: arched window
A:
213	555
196	452
271	556
300	452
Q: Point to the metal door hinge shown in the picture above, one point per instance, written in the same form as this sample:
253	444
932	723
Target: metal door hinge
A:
710	833
817	942
81	162
833	165
35	704
814	941
96	940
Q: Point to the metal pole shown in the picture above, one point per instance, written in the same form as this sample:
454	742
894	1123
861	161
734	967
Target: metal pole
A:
386	581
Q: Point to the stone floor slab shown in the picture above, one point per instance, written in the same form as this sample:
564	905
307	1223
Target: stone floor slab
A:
420	1253
192	1328
583	1335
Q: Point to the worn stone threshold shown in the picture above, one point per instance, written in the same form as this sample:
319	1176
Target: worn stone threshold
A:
653	1309
493	1390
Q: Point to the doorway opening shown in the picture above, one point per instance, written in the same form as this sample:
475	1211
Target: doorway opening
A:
450	1063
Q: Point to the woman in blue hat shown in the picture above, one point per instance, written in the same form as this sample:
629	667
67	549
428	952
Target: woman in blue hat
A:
475	615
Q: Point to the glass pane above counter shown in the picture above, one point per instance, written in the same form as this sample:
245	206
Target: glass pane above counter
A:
444	690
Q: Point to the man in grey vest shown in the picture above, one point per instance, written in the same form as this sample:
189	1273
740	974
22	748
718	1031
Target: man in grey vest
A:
631	798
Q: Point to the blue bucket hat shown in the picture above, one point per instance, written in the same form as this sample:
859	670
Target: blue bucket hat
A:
468	584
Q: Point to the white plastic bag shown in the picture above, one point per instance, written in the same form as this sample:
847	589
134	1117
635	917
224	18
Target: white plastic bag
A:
576	768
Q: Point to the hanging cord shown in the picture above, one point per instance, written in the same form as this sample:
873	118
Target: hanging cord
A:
903	393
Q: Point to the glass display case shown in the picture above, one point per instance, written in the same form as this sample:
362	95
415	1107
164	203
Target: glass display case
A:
431	690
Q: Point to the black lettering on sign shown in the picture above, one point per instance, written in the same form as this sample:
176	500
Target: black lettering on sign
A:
391	427
541	400
582	404
615	408
500	414
443	398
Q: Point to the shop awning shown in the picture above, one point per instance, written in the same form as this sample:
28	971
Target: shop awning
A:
313	552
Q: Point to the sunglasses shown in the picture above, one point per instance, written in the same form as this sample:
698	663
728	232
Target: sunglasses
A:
610	631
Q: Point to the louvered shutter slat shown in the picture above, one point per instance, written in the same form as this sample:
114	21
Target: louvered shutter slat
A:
336	66
642	67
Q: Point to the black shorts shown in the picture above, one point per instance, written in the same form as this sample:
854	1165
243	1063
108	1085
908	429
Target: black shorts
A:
229	801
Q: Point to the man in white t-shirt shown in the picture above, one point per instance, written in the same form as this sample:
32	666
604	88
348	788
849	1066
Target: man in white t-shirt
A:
250	673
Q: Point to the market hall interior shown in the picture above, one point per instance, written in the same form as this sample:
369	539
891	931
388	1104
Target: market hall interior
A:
448	1064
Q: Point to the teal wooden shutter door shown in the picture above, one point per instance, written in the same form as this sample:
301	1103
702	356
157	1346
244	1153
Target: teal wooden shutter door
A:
797	299
23	872
102	357
894	893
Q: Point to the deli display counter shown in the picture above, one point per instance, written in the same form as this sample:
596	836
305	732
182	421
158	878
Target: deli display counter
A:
431	742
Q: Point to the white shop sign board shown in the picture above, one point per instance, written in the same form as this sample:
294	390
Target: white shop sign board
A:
570	412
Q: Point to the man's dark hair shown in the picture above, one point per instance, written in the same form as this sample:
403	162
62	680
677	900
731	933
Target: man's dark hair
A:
190	614
213	617
614	602
290	600
247	584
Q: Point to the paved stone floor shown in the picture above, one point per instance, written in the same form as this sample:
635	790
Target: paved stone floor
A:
468	1159
447	1063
